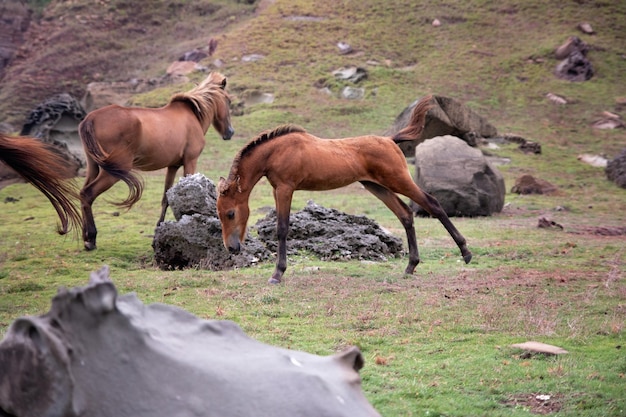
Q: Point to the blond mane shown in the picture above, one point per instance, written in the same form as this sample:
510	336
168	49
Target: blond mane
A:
206	98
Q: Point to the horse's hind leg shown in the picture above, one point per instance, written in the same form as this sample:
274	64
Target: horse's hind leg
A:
432	206
404	214
169	181
88	194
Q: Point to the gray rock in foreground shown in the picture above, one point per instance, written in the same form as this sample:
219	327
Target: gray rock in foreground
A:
99	354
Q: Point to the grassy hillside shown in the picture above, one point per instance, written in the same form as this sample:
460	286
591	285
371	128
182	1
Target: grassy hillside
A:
436	343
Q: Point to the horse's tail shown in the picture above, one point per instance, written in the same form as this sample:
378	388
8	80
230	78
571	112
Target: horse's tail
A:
105	161
415	128
42	166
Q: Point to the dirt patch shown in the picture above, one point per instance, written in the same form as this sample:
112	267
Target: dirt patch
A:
536	403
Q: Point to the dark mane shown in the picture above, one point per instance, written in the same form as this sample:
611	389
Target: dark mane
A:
267	136
263	138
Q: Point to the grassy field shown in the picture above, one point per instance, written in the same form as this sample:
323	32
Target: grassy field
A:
437	343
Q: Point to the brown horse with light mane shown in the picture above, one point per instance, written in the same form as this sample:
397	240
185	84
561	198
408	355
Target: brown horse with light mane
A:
292	159
119	139
45	168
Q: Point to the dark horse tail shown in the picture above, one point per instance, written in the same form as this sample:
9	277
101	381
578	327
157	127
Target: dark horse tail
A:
105	162
415	128
42	166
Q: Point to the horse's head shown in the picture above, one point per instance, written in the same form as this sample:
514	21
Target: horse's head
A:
221	121
233	212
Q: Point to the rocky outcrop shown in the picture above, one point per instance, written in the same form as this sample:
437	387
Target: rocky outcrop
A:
459	177
56	120
616	169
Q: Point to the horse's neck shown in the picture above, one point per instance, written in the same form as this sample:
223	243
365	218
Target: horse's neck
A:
249	174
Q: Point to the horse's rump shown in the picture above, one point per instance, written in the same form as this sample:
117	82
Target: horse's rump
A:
106	161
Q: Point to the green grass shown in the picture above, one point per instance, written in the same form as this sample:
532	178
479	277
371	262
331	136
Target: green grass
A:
436	343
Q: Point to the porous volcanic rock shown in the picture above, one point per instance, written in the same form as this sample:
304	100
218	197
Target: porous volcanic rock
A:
331	235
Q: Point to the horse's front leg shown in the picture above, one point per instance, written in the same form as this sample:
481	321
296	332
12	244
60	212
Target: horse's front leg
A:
169	181
283	207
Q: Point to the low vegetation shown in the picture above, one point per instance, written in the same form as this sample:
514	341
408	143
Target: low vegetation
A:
437	343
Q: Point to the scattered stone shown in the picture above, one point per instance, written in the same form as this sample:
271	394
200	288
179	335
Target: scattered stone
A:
196	55
593	160
571	45
576	67
527	184
530	147
352	74
459	176
331	235
586	28
352	93
344	48
257	97
608	121
180	68
436	23
545	223
539	347
556	99
252	58
616	169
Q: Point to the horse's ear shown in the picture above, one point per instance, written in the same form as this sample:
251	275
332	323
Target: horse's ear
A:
222	186
238	185
223	85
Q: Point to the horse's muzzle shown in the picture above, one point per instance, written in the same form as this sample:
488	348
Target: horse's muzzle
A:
234	249
229	133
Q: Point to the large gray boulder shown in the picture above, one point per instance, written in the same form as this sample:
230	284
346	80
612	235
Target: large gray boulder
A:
616	169
447	117
99	354
459	176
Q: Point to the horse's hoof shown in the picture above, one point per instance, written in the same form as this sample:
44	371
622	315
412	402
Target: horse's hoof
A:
273	281
467	257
